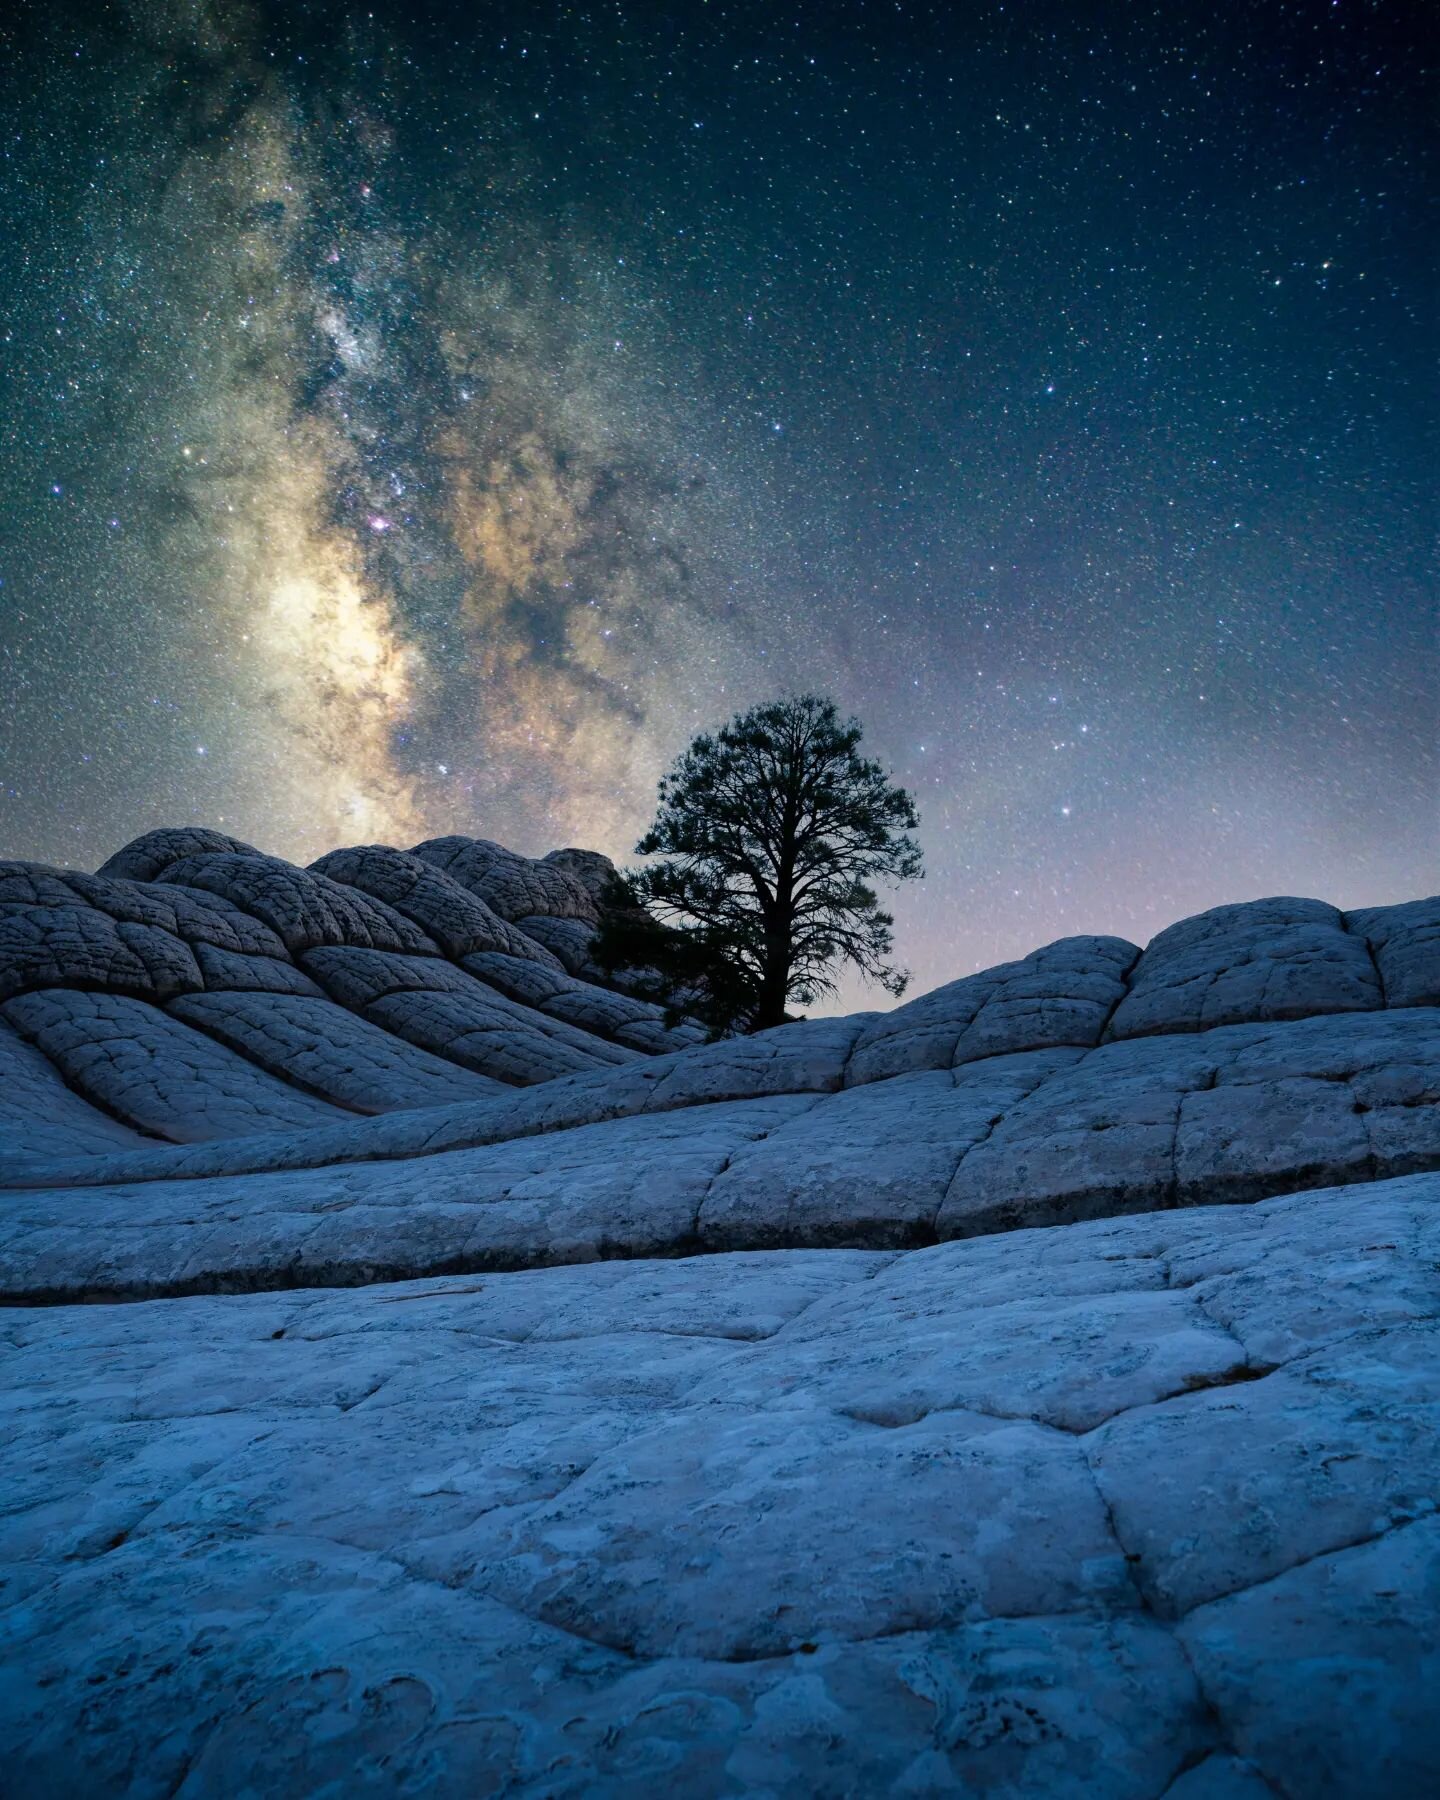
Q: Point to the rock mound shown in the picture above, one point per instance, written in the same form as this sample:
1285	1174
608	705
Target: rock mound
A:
484	1388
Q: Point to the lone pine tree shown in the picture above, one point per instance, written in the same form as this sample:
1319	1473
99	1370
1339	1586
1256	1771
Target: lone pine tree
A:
770	834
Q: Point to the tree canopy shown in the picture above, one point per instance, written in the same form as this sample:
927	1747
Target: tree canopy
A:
770	835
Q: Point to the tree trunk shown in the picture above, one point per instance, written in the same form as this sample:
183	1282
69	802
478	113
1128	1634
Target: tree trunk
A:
774	979
779	929
770	1008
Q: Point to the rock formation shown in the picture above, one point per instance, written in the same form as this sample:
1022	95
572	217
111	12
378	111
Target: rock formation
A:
483	1388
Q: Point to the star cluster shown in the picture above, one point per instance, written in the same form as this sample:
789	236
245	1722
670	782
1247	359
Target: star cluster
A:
424	419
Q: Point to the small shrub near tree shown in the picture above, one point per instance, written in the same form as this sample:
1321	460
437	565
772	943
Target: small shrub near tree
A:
770	836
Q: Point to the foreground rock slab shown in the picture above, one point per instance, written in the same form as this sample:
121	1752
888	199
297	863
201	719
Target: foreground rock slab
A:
658	1159
1137	1507
433	1371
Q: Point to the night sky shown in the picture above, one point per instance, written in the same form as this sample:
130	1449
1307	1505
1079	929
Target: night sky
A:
425	419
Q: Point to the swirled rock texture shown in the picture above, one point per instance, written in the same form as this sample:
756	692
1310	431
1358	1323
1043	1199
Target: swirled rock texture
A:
483	1387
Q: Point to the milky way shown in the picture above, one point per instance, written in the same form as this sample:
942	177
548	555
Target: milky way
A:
425	423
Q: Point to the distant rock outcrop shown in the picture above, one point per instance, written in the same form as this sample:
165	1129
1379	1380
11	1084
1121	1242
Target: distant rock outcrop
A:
707	1418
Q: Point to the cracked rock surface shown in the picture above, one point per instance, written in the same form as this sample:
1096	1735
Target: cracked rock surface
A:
1084	1511
430	1372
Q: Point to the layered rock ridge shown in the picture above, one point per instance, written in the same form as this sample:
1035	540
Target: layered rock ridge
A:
222	1072
482	1389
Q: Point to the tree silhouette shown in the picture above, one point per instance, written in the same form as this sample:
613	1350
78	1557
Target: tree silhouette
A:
771	834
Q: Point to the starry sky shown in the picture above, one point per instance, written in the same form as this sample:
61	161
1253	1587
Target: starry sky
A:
425	418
